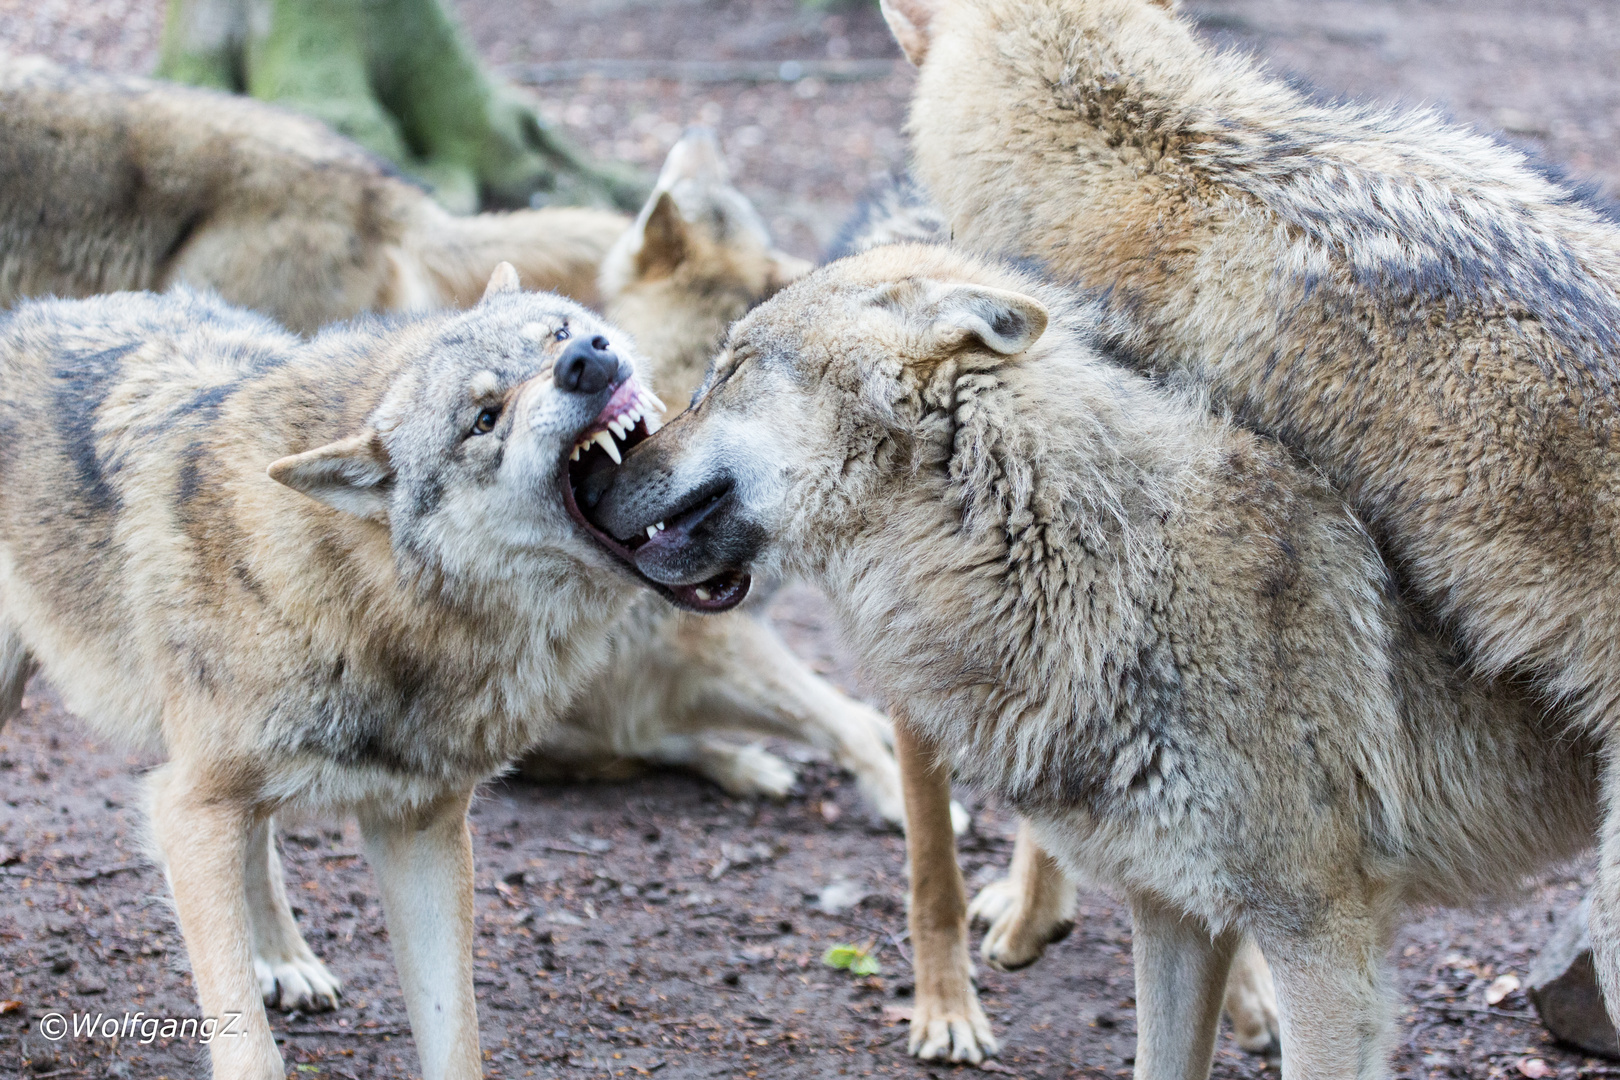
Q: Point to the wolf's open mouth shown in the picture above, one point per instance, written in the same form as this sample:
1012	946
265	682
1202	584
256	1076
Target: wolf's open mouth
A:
631	416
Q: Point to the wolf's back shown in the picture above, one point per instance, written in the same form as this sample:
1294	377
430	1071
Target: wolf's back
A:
110	183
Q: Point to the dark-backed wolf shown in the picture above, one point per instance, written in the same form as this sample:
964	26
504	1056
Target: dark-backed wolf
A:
332	575
110	183
1420	310
1159	637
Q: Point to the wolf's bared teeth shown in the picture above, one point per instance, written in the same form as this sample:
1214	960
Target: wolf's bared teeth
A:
615	426
605	441
652	531
575	455
653	399
652	422
659	526
703	594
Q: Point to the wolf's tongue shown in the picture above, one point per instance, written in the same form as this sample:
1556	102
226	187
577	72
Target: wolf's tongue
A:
590	481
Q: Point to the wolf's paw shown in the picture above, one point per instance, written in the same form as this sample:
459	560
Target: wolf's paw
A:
752	770
302	984
951	1031
1251	1003
1017	934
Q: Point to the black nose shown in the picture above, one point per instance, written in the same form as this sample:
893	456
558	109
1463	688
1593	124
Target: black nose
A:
586	366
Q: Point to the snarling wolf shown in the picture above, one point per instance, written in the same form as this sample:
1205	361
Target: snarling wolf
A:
110	183
698	257
1420	310
1169	645
330	575
155	185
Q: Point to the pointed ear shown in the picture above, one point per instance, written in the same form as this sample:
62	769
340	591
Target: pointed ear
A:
353	475
784	270
663	239
996	319
503	280
910	22
695	156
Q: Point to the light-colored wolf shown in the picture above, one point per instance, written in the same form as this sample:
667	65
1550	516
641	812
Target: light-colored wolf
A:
326	575
1033	906
1418	309
1170	646
116	183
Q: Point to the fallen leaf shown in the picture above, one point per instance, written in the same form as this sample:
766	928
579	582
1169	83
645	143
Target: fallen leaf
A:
1535	1068
9	1006
894	1014
1501	987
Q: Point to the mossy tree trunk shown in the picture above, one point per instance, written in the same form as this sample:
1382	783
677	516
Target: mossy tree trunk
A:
398	77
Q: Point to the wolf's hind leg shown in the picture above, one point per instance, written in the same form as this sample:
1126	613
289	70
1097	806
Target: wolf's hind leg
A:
16	668
290	977
1180	973
1029	909
204	840
754	683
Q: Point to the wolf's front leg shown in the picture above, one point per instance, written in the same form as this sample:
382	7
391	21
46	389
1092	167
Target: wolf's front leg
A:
424	867
290	976
204	839
946	1022
1331	993
1180	975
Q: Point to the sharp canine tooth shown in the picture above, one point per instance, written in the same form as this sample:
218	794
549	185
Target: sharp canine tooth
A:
605	441
703	594
653	423
652	531
659	526
575	455
616	425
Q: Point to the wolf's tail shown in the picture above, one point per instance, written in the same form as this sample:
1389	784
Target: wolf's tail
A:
444	259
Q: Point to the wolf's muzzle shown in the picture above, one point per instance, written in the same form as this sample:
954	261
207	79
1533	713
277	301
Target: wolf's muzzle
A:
586	366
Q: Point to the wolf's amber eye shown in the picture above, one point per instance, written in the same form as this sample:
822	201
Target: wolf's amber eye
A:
561	334
486	421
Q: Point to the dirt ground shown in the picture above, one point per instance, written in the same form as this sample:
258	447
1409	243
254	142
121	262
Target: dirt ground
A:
659	927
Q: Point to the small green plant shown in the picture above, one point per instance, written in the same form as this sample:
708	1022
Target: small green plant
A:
856	959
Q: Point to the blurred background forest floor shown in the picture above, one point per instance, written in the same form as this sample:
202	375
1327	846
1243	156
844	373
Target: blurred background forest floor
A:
658	927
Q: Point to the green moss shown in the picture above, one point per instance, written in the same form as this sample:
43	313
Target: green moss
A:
399	77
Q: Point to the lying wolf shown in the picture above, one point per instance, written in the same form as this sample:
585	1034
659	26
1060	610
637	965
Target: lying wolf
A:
121	183
1167	644
1417	309
324	575
697	258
